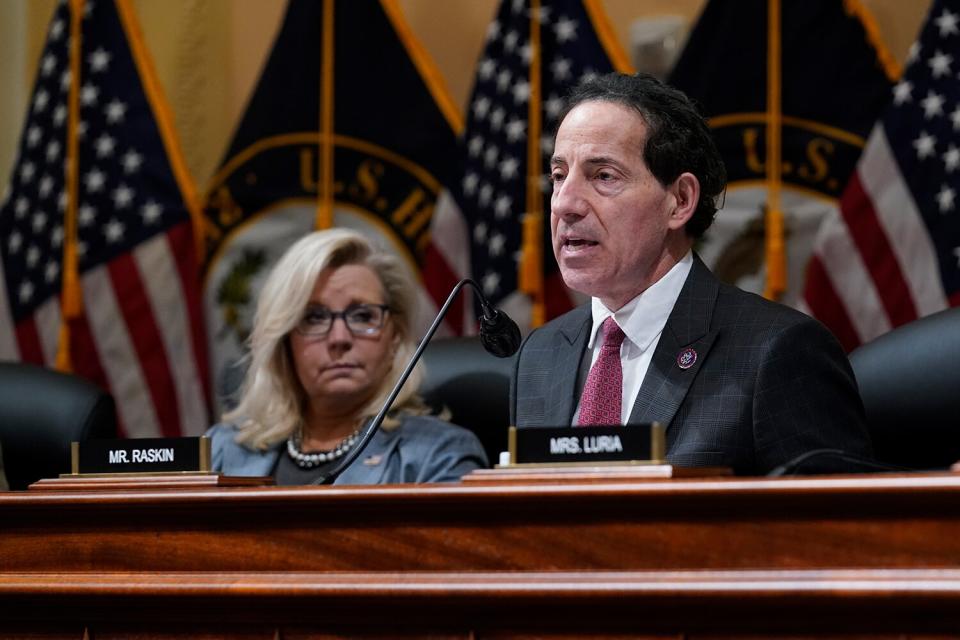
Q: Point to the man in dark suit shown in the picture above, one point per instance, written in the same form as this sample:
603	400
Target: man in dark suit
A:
739	381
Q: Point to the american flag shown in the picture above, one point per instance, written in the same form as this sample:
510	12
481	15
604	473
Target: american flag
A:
575	43
139	334
892	254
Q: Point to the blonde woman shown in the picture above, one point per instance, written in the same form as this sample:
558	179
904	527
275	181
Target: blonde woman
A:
330	338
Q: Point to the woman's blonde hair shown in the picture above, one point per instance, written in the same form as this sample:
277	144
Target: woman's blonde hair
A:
272	400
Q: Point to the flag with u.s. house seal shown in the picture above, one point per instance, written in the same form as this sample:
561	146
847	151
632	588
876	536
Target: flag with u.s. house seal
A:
349	126
813	76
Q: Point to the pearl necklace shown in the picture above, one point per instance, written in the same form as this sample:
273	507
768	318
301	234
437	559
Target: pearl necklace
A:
311	460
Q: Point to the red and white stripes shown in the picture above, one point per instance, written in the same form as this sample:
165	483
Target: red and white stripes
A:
874	265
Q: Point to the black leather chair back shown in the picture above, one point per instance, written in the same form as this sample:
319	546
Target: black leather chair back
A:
41	413
910	384
474	385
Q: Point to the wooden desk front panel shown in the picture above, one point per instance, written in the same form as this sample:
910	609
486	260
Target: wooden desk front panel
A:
729	557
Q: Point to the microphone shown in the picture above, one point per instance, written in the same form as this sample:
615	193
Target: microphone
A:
499	335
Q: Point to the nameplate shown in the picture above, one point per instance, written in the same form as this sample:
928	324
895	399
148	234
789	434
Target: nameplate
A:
142	455
550	445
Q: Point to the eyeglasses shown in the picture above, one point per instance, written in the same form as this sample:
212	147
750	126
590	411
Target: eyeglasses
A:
361	319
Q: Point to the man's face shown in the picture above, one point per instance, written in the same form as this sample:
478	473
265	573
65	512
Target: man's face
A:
615	227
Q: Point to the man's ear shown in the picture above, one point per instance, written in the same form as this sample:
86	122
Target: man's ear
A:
686	194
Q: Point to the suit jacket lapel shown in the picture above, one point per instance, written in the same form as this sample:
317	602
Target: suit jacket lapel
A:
666	383
562	396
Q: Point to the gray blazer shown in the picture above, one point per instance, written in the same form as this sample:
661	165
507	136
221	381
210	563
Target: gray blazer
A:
421	449
769	383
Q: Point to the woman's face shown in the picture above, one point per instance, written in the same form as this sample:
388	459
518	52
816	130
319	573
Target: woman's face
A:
341	370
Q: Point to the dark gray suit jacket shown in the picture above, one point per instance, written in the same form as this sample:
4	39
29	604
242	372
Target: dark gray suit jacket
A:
769	383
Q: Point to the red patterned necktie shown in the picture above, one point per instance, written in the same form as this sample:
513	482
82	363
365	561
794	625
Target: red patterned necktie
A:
603	392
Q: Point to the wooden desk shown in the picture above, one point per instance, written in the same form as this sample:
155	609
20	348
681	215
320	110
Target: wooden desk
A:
871	555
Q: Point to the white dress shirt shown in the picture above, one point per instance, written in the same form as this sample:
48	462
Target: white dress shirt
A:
642	321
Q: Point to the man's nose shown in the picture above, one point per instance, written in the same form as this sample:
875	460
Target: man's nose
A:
568	200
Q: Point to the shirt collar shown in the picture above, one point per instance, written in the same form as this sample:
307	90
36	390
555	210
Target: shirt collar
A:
643	318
